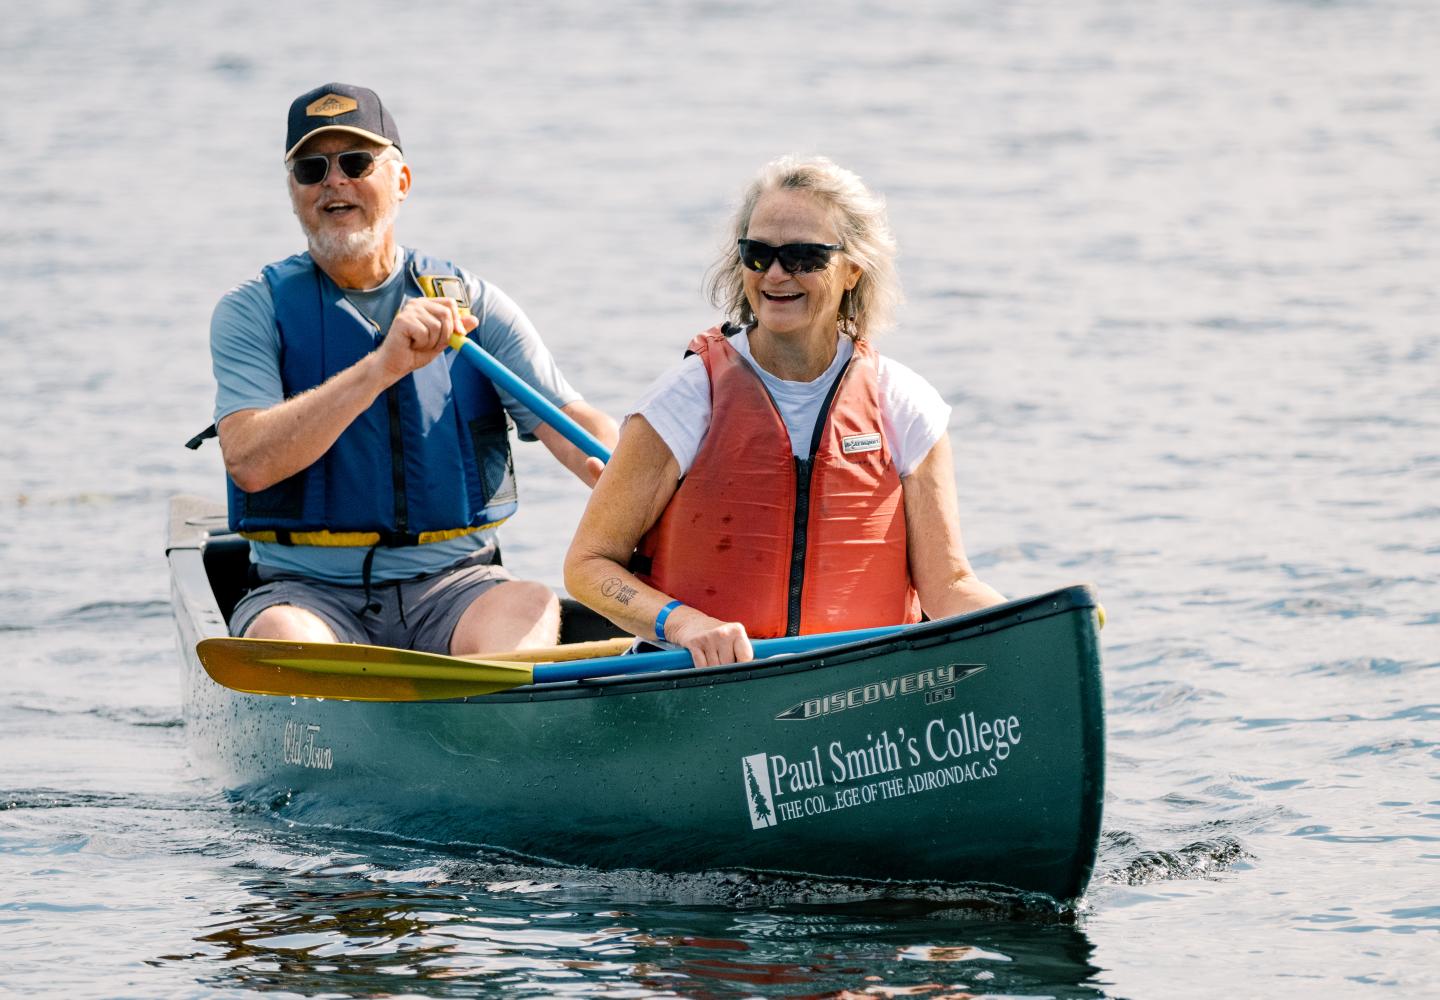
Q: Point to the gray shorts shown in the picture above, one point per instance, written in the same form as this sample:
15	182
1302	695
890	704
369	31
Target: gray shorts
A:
419	614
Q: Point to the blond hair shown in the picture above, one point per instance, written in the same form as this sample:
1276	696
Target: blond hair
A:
863	228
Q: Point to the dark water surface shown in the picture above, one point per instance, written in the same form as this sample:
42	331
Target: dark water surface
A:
1176	265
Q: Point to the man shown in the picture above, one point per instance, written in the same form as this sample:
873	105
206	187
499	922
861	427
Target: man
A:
367	465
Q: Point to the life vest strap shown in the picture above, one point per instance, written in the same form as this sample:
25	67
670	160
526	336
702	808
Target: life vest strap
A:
364	539
195	442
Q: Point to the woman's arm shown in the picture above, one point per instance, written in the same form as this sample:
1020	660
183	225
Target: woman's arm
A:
632	493
941	573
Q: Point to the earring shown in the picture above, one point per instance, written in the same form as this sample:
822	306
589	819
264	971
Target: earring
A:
848	312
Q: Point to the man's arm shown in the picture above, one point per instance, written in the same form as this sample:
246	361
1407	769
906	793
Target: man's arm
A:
507	333
264	446
597	423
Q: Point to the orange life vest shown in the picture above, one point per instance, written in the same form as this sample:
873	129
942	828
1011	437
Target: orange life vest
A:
786	545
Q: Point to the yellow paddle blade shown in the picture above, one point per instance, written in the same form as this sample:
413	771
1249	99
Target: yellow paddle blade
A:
350	671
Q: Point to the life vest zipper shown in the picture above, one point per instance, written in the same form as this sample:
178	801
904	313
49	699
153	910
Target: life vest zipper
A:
804	474
803	468
397	443
397	470
397	460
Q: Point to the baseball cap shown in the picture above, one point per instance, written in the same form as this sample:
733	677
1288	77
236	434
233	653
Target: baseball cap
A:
339	107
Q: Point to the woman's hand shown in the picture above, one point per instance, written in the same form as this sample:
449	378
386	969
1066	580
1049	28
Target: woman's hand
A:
711	642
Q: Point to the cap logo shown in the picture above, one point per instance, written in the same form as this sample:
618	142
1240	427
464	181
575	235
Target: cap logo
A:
330	105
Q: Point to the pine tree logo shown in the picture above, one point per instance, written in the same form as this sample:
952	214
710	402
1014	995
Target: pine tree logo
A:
757	792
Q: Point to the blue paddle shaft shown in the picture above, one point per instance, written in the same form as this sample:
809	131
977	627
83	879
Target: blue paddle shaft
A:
538	404
677	659
670	659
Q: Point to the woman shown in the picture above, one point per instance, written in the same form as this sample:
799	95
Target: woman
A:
784	478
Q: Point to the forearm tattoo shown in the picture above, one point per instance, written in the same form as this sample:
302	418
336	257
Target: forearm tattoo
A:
617	589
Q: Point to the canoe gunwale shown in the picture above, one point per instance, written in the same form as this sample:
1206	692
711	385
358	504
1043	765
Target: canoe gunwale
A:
193	520
989	620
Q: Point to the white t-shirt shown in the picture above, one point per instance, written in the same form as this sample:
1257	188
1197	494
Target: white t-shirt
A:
913	416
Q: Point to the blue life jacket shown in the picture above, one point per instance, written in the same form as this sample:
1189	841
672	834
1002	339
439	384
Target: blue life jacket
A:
429	460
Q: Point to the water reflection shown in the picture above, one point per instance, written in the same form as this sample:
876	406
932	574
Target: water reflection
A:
376	921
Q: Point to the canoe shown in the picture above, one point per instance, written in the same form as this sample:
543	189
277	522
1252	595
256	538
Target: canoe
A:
968	750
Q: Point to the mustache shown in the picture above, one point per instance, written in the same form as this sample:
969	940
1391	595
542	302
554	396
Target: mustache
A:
351	245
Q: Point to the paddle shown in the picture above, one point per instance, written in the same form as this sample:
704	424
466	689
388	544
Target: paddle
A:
447	286
354	672
542	407
555	654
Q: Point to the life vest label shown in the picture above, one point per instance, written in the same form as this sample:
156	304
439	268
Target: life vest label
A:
856	443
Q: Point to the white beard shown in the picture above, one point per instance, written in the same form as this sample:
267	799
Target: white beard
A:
353	245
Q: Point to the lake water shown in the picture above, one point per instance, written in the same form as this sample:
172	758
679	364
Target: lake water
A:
1176	266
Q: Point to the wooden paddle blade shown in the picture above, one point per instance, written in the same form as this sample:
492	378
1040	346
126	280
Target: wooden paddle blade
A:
351	672
558	654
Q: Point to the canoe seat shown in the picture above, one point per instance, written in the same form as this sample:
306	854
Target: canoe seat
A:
579	624
227	564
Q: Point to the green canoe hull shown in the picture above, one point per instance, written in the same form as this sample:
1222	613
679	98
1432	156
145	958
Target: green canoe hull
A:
969	750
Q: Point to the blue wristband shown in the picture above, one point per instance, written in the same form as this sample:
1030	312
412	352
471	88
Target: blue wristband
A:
660	619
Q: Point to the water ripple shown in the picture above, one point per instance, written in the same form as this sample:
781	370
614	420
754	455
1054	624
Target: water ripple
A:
1319	607
1389	747
49	798
1367	666
1159	696
349	921
1126	863
112	610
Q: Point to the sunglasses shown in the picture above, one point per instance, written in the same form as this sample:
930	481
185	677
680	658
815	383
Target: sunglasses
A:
795	258
355	163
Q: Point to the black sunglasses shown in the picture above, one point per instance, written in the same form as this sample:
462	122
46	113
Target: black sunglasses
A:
356	163
795	258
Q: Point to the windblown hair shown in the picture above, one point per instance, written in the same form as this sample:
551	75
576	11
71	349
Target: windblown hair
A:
863	228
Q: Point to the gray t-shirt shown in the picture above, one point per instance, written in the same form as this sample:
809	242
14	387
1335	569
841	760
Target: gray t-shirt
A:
245	354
